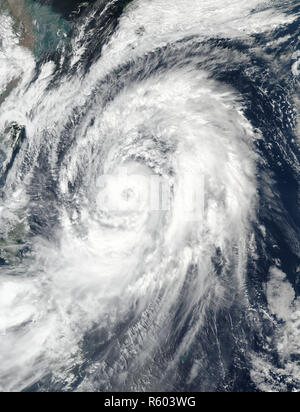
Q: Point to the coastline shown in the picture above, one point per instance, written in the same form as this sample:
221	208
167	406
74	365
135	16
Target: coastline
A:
19	13
18	10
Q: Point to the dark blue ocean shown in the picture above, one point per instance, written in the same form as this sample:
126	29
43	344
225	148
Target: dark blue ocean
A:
149	196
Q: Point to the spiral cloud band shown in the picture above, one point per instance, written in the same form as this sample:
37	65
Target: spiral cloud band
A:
146	238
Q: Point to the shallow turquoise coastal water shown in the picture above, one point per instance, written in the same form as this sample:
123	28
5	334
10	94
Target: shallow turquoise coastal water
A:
50	29
149	187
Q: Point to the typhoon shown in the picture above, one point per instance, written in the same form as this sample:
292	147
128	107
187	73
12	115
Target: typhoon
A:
149	195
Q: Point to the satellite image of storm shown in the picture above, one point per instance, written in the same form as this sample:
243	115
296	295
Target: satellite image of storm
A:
149	198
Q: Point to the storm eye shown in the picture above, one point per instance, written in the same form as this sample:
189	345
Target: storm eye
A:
128	194
148	196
